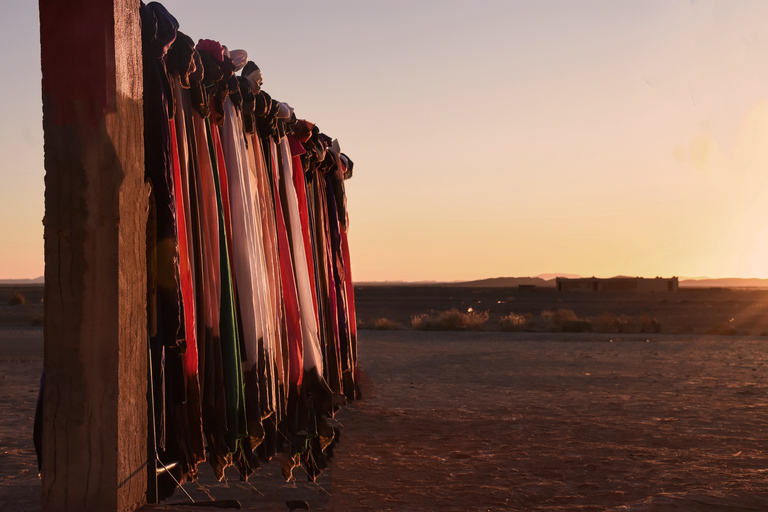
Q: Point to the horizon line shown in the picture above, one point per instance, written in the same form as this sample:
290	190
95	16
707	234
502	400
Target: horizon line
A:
571	276
547	276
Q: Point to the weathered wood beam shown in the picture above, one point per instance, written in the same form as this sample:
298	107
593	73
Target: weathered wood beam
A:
95	397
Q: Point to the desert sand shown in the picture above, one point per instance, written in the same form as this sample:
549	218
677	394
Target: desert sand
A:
21	362
481	421
497	421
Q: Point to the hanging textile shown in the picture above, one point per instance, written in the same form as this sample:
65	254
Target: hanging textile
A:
250	302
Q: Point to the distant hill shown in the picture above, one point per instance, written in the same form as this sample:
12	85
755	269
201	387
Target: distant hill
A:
495	282
507	282
548	281
727	282
512	282
400	283
551	277
542	280
38	280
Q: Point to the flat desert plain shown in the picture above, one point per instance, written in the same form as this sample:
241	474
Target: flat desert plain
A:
688	311
522	421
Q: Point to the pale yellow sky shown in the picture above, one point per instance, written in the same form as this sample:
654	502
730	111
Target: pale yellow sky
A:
492	138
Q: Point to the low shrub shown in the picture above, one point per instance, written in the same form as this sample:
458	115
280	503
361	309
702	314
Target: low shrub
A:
380	324
554	321
627	324
451	320
562	316
649	324
385	324
565	320
607	322
514	322
17	299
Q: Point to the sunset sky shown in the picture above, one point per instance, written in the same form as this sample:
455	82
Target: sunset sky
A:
490	138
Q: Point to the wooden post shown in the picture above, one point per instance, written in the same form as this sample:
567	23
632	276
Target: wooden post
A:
95	397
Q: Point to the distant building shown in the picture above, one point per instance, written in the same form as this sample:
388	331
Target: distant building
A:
617	284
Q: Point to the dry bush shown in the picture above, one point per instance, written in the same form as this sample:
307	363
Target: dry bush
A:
649	324
380	324
627	324
608	322
17	299
451	320
564	315
385	324
562	320
513	322
545	322
567	321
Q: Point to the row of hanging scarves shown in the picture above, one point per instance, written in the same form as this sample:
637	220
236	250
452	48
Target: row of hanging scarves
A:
250	301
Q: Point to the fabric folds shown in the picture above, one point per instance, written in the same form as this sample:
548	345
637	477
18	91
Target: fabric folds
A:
251	325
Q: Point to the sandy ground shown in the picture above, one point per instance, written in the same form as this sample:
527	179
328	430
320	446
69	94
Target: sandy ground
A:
720	311
21	362
480	421
499	421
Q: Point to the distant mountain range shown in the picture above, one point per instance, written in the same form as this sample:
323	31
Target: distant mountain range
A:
548	281
37	280
542	281
508	282
726	282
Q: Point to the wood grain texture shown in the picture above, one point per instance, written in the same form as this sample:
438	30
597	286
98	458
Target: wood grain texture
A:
95	412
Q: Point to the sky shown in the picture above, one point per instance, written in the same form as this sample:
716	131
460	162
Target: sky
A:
490	138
